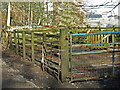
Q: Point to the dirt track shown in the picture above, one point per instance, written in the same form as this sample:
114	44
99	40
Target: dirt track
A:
18	73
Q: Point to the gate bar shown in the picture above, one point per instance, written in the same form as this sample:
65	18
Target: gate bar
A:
95	33
95	44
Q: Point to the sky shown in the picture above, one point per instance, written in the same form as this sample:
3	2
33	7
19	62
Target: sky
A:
98	2
103	9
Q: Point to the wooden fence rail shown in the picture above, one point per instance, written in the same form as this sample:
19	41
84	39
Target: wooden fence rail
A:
50	48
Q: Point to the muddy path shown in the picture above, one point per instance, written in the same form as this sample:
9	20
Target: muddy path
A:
19	73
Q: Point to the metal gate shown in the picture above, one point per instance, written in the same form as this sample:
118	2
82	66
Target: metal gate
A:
90	60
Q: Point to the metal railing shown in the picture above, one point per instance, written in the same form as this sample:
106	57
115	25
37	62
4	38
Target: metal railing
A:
77	53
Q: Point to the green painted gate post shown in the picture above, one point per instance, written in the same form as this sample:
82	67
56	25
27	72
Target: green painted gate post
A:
113	54
23	37
32	44
64	54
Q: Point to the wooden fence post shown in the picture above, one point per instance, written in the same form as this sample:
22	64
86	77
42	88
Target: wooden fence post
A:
108	39
64	54
88	37
16	45
44	36
10	40
101	35
43	50
3	37
24	52
93	36
18	35
32	44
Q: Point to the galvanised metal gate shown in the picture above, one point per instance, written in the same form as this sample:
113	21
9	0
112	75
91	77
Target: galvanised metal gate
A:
91	64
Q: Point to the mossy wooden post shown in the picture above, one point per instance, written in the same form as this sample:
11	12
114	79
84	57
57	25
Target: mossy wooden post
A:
44	37
16	44
32	44
113	34
3	37
101	36
88	37
24	52
64	54
14	36
10	37
107	39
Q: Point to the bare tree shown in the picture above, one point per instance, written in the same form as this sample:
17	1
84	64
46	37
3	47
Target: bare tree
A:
69	13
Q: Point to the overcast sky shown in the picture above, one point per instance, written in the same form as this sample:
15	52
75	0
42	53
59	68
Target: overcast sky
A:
98	2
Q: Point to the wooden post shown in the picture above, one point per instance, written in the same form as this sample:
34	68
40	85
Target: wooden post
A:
101	37
7	39
108	39
64	54
47	12
88	37
10	40
16	45
24	52
44	37
93	39
18	42
113	34
96	38
3	37
43	51
32	45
